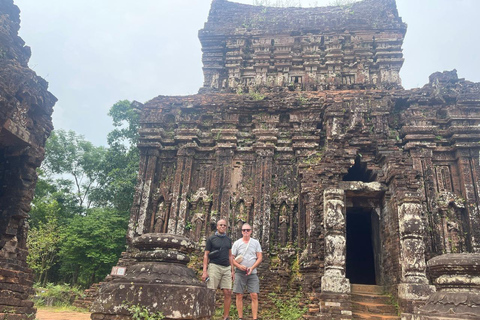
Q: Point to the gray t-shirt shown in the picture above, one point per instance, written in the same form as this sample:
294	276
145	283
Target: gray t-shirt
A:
250	256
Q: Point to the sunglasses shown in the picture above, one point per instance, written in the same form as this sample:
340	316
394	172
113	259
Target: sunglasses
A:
246	230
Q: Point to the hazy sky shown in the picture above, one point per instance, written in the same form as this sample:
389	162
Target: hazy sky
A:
96	52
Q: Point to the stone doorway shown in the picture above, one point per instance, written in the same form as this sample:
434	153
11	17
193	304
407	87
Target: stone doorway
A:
361	246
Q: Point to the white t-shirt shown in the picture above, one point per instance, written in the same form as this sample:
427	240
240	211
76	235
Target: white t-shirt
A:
250	256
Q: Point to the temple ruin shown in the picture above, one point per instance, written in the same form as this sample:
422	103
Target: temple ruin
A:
351	183
301	129
25	119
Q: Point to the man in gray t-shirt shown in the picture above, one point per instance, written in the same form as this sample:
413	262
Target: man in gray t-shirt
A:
250	252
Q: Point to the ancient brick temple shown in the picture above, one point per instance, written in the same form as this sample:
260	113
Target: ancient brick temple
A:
25	123
303	130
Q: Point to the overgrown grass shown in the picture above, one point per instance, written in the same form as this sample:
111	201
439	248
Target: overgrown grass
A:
56	295
286	309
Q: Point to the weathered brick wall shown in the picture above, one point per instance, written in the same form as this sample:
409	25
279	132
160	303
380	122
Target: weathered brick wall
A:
25	122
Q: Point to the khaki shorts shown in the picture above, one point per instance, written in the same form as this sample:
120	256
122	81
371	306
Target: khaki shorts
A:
219	275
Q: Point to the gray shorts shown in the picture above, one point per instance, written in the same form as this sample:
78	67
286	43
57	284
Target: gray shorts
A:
242	282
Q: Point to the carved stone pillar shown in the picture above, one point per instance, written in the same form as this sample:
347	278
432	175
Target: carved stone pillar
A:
414	285
335	242
223	178
176	222
263	183
139	223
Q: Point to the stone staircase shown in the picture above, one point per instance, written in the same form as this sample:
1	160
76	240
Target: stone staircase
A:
369	302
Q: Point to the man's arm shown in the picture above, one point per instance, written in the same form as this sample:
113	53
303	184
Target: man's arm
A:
258	249
232	261
205	265
259	260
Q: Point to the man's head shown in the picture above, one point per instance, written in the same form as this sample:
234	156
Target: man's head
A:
246	230
222	226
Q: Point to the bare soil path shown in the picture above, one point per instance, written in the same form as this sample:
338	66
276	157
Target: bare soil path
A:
46	314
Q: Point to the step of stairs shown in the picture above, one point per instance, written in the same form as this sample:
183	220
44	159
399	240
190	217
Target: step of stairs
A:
374	316
369	302
376	308
366	288
374	298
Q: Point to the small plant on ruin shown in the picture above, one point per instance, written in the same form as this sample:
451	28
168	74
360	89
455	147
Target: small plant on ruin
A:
139	312
393	301
277	3
256	96
314	158
342	2
302	99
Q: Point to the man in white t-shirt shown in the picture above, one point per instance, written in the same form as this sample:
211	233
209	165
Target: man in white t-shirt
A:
246	270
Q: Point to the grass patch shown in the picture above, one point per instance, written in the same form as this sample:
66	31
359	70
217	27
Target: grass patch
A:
56	295
286	309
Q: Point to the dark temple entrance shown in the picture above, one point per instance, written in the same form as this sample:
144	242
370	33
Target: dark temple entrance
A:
360	249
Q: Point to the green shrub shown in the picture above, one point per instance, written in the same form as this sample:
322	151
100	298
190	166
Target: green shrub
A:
56	295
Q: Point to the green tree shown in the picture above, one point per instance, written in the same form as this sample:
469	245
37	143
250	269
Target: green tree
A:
119	169
43	242
75	161
83	197
91	244
49	195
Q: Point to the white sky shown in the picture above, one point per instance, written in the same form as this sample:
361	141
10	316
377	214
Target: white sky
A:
96	52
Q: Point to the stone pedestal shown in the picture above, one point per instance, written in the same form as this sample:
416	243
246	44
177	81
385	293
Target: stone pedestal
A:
457	278
159	280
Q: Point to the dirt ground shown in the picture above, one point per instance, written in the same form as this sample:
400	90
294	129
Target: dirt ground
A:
61	315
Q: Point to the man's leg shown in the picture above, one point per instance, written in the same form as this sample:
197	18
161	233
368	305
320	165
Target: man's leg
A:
239	304
254	297
227	301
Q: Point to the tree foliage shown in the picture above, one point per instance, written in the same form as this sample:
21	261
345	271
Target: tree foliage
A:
75	161
82	200
118	176
44	242
91	245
